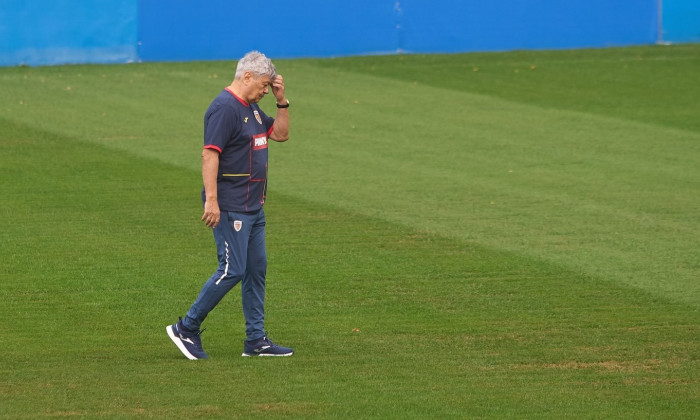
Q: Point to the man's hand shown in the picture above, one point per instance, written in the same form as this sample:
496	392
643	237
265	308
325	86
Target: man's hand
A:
278	89
212	214
280	129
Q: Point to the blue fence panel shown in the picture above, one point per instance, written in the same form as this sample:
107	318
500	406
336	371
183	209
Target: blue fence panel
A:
39	32
225	29
477	25
681	21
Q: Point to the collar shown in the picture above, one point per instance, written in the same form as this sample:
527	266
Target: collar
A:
228	89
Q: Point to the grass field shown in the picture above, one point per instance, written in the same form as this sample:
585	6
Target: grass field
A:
501	235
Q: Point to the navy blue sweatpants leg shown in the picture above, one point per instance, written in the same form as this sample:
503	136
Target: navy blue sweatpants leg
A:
233	237
253	285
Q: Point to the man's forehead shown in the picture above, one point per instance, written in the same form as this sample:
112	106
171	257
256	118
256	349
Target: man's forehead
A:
264	78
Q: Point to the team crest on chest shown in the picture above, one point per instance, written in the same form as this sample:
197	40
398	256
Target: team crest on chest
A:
257	116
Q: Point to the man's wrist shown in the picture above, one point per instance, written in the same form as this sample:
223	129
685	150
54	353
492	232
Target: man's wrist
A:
284	103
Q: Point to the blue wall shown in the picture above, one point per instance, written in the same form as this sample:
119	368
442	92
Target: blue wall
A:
681	21
215	29
38	32
173	30
478	25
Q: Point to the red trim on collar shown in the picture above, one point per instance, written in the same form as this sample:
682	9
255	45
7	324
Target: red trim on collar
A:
228	89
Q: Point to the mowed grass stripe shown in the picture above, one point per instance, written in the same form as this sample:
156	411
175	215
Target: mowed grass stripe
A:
603	195
607	196
650	84
387	321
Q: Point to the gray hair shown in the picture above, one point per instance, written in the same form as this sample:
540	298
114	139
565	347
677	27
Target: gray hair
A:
256	63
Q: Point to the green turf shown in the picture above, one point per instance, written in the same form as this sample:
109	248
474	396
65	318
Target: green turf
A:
520	245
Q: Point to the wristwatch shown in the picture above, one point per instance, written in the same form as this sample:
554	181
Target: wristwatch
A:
284	106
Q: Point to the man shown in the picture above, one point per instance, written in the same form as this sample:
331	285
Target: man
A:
234	171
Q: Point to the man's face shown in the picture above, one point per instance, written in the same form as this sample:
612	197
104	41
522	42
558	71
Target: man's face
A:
259	86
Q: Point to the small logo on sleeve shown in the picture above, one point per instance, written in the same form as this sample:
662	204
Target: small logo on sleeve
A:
260	142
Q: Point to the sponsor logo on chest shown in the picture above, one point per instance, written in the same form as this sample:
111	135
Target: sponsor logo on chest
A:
260	142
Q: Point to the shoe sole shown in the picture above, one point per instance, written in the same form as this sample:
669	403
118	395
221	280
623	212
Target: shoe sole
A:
266	355
179	343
